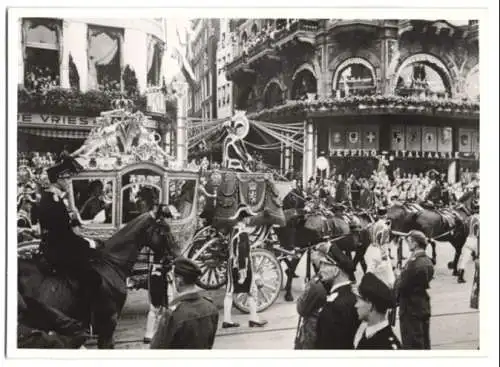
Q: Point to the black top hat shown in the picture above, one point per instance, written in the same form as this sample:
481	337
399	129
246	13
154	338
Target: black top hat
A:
66	167
340	259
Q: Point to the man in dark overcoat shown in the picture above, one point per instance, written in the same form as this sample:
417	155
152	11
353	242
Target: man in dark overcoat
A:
65	250
190	322
338	320
411	290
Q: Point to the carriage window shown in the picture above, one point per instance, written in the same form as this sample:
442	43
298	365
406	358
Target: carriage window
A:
141	191
181	195
94	200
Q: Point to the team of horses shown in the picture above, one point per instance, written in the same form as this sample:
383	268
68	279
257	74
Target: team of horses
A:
308	223
352	230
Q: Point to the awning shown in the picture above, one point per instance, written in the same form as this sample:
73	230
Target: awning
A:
55	133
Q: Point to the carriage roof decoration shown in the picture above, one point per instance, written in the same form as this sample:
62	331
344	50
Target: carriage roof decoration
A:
122	137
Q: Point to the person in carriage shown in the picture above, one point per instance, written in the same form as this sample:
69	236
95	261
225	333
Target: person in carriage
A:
63	249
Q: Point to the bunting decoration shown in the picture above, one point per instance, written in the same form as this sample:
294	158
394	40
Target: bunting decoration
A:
445	139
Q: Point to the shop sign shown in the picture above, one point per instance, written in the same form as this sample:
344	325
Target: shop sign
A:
49	119
64	120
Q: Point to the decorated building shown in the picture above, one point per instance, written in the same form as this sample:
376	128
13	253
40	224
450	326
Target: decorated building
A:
405	88
71	69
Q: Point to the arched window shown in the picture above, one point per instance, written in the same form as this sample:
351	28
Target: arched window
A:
273	95
303	84
423	75
104	57
354	79
42	56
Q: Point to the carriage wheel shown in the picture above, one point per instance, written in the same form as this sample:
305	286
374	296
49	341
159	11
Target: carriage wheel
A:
268	276
212	260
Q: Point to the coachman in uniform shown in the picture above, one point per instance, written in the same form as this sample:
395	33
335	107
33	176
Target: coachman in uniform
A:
191	320
66	251
374	299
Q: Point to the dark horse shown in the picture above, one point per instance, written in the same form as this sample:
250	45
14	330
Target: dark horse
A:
114	263
304	230
434	225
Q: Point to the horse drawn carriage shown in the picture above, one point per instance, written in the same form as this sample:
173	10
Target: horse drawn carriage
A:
122	159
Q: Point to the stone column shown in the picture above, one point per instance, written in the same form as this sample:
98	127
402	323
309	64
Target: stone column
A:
20	58
308	152
182	113
389	50
288	151
65	49
452	172
135	50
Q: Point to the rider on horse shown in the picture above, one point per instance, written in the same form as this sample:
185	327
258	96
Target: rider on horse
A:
62	247
433	197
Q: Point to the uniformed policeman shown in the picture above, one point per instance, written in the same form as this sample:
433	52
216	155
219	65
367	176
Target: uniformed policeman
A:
411	290
191	320
312	300
338	320
62	247
374	299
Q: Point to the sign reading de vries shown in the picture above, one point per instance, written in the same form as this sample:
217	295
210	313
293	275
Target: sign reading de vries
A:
49	119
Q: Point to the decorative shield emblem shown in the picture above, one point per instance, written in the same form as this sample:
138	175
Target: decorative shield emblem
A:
336	138
216	178
413	137
370	136
398	137
353	137
429	137
446	135
252	193
464	139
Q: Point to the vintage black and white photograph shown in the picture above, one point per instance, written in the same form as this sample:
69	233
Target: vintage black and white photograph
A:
243	183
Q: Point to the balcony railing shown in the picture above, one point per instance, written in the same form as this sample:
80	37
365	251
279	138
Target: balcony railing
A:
298	25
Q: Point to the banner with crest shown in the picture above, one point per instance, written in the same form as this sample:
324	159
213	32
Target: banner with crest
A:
429	138
337	138
465	140
397	137
353	137
445	138
370	137
414	138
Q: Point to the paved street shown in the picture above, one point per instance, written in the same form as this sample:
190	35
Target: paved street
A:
453	326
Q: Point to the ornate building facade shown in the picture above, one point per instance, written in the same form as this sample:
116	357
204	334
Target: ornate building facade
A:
70	69
405	87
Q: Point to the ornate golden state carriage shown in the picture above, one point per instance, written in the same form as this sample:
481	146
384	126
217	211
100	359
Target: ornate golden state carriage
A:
120	157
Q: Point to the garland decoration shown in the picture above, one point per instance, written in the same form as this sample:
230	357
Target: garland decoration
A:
300	109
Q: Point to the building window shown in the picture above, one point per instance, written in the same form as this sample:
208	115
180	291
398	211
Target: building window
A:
42	55
154	58
104	57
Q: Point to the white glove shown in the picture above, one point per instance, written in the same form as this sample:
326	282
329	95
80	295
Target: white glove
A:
92	243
